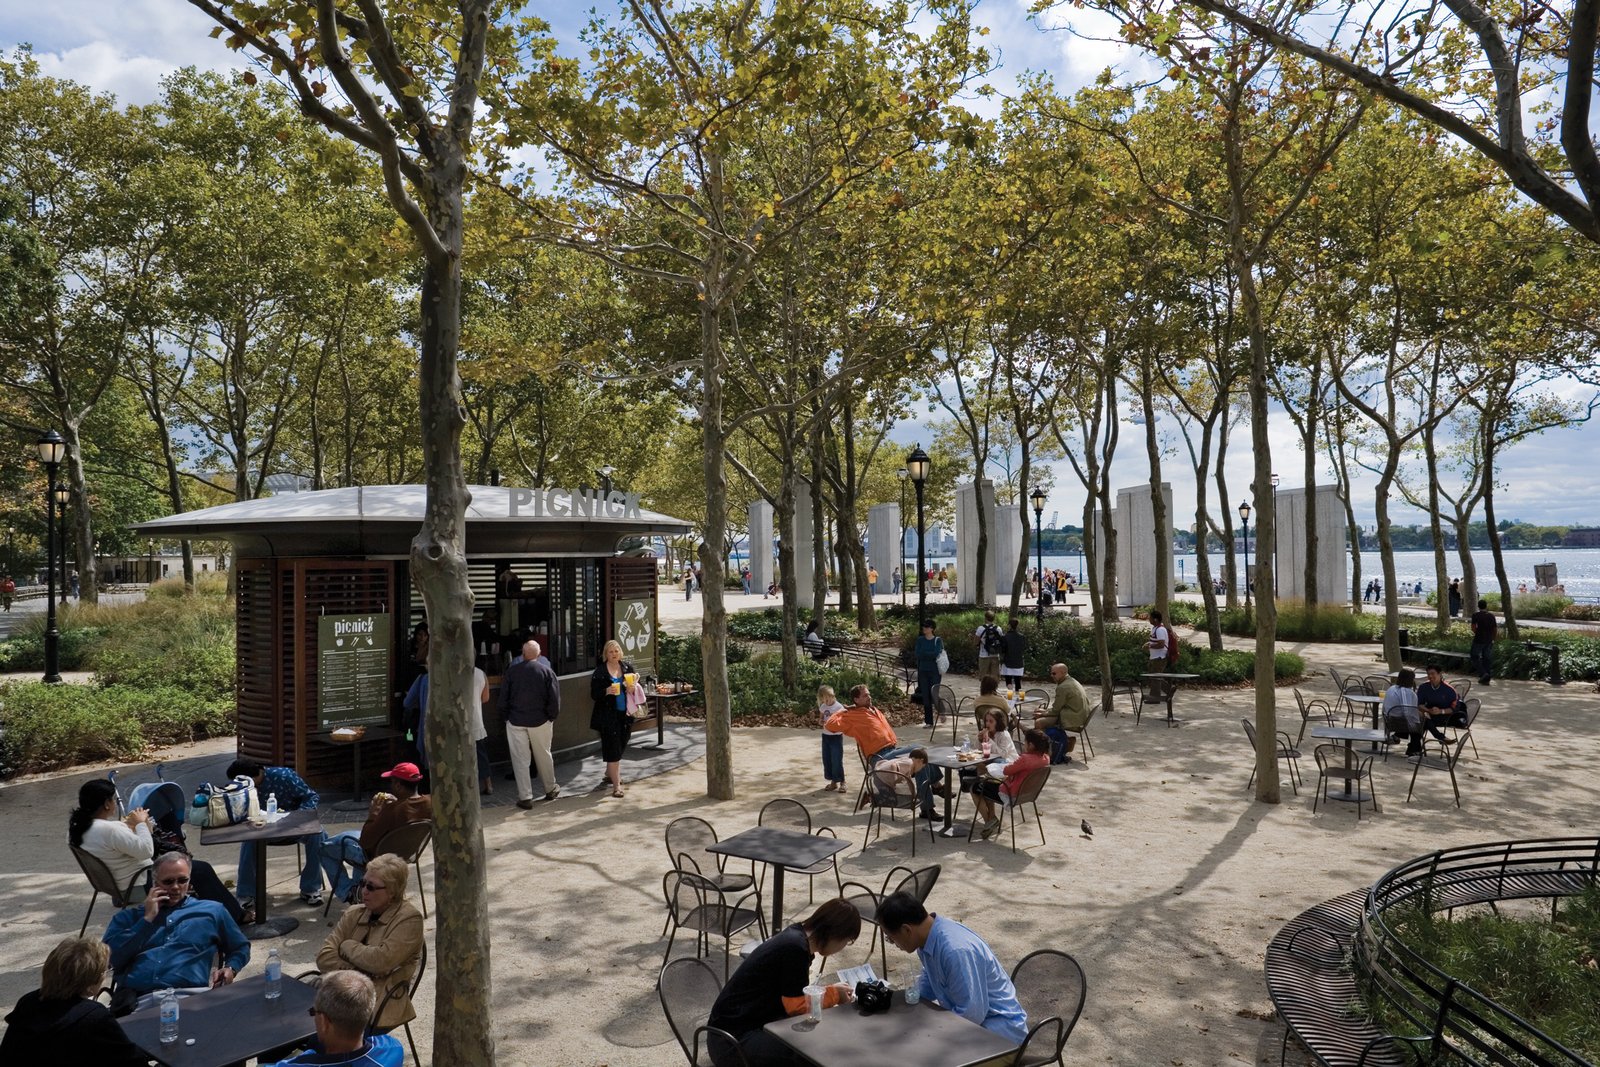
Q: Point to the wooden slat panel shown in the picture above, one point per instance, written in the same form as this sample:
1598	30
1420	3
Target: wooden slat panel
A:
255	672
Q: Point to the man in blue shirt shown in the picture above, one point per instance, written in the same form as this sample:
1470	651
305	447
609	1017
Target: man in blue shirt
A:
958	969
173	939
1439	703
344	1005
293	795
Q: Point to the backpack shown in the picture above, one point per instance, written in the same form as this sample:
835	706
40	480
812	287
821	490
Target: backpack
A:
1172	646
994	642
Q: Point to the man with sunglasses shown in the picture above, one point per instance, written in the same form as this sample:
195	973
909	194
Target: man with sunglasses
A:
345	1001
173	940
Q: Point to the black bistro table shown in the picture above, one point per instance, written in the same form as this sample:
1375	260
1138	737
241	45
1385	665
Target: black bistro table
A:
1373	704
948	759
779	849
303	823
924	1034
1163	684
228	1024
1350	735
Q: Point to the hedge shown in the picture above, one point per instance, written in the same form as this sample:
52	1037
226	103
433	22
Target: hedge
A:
49	726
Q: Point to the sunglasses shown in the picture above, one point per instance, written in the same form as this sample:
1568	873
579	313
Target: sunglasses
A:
371	887
173	881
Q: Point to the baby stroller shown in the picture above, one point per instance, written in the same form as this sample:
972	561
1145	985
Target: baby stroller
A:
166	803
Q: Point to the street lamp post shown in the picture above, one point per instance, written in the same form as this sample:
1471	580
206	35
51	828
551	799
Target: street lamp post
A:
902	474
605	474
62	494
1244	517
917	467
150	562
51	450
1038	536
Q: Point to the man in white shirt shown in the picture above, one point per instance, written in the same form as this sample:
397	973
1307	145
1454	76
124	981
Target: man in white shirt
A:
1157	645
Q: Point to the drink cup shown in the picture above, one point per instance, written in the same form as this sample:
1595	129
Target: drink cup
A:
912	995
629	679
613	689
814	995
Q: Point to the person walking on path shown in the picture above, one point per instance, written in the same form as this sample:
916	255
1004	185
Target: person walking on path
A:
532	699
1157	644
991	644
8	591
618	698
1484	629
928	650
1013	654
1455	598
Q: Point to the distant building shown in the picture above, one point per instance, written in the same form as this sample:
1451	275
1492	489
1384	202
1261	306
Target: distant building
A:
1582	537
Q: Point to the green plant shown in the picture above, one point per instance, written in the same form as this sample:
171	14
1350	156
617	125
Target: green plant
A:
1327	622
1541	971
60	725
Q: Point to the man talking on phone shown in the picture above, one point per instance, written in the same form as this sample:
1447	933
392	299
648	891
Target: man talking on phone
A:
173	940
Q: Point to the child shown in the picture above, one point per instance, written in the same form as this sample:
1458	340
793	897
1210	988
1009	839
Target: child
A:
832	743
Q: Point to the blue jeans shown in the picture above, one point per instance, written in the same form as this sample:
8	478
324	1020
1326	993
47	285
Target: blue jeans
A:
310	874
926	680
338	850
833	757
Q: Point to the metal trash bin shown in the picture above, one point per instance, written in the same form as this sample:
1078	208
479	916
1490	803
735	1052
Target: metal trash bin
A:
1404	633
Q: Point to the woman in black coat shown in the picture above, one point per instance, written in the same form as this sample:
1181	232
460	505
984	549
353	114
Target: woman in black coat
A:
61	1023
612	718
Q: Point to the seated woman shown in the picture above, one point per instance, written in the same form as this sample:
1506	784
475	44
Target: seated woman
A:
1401	716
61	1022
382	938
129	845
993	733
816	646
1035	754
770	984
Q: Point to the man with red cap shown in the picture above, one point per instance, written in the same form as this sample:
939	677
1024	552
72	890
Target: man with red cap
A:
388	811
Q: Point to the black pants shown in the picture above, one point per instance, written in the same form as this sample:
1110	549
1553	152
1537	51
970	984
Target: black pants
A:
760	1049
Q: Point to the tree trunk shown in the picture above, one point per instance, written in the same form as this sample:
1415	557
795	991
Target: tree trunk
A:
1158	502
1341	476
1019	578
1268	788
1231	569
1202	553
1309	442
1507	605
714	615
82	520
1441	569
464	1029
783	515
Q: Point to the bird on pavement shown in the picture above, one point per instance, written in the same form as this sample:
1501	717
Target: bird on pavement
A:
1087	832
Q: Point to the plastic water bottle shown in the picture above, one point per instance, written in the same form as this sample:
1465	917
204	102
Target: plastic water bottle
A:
169	1016
966	742
272	803
274	975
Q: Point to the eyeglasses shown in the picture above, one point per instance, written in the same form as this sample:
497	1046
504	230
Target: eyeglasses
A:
370	887
172	881
312	1011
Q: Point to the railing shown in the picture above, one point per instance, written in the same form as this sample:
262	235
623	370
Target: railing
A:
1452	1022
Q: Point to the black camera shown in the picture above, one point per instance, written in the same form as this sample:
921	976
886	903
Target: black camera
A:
872	997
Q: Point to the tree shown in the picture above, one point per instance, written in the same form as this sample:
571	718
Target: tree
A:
653	139
410	73
1471	70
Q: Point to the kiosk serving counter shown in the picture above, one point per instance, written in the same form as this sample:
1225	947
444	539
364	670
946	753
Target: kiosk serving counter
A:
326	611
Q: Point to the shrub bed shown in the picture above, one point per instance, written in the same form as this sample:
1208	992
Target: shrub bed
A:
1544	972
755	683
1296	622
48	726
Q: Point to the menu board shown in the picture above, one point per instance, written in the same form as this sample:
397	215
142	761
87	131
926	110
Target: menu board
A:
352	670
634	626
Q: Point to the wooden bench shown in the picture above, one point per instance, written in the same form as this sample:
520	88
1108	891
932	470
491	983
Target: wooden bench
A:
1413	652
1312	986
897	666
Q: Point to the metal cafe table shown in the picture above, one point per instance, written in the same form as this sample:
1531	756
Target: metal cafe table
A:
1350	735
922	1034
948	759
303	823
228	1024
779	849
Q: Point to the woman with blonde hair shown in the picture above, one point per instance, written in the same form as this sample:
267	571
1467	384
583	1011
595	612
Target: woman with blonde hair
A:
61	1022
382	938
618	697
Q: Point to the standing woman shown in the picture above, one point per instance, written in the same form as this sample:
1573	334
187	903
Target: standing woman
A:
928	649
615	704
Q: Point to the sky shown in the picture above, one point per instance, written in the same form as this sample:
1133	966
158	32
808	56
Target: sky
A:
125	47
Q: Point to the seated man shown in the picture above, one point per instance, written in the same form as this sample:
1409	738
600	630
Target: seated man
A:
913	765
172	940
293	795
1070	708
874	737
958	969
345	1002
388	811
1439	704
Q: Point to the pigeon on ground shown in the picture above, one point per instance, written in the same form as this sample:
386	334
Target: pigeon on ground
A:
1087	832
